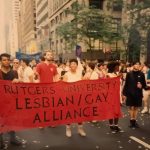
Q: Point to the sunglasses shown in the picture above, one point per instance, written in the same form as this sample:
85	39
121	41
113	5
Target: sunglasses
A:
16	62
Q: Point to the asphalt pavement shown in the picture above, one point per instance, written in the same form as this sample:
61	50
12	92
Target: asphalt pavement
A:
99	137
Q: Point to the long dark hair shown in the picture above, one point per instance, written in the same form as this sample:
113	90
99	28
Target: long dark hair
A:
112	66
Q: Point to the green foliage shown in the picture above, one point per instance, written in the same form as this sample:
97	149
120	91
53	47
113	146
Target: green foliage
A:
139	14
88	23
144	4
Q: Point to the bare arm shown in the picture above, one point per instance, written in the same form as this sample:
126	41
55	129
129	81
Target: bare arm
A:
56	78
65	78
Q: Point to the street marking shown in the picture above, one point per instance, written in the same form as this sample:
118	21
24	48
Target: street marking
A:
140	142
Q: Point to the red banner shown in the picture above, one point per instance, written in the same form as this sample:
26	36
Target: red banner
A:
26	105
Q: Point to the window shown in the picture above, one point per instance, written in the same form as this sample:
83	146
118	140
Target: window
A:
52	23
117	6
139	1
98	4
66	12
116	23
61	16
57	20
133	2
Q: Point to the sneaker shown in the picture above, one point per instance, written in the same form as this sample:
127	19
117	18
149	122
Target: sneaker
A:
131	124
16	141
145	110
112	128
136	125
3	146
68	131
118	129
81	131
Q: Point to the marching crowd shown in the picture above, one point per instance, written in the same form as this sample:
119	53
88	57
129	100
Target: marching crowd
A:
135	81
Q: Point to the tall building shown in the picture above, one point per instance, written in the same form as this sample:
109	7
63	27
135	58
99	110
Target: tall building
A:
12	42
58	14
27	27
42	25
5	16
2	27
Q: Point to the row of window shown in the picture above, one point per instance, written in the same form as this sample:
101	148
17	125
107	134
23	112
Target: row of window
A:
59	18
45	17
38	3
45	6
58	3
95	44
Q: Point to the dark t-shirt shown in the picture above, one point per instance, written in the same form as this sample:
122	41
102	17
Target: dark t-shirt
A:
9	75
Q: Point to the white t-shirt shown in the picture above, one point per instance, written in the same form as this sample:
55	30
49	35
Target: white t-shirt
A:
94	75
91	75
27	72
73	77
112	75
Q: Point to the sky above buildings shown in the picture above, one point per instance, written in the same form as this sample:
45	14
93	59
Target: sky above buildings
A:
5	17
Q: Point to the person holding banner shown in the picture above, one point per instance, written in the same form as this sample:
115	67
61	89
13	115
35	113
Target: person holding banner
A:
47	71
6	73
113	71
73	75
91	73
26	72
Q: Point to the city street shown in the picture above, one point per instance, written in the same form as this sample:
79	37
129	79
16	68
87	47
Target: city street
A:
98	137
70	61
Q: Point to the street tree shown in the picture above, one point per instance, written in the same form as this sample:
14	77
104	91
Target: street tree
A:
87	25
138	24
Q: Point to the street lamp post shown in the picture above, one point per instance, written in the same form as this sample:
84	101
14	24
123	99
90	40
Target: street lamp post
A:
50	43
126	48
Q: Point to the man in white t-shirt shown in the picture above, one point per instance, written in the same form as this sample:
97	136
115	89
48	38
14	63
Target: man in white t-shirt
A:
26	74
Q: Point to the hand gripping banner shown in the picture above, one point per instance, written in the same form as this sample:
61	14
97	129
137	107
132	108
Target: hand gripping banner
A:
31	105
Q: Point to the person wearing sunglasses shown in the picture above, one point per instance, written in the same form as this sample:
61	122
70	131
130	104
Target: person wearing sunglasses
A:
16	64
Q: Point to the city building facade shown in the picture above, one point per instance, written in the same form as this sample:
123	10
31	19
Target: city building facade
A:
12	43
38	21
27	27
58	15
42	25
2	27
